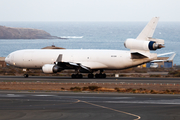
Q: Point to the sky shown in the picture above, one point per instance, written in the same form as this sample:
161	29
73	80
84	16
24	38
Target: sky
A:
89	10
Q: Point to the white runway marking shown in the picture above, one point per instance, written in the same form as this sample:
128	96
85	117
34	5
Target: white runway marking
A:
138	117
44	95
173	101
11	95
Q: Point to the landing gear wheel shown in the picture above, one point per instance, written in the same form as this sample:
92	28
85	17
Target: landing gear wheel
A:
76	76
26	75
100	75
79	76
73	76
97	75
104	75
91	75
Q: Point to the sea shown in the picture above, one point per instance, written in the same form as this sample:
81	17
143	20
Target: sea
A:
92	35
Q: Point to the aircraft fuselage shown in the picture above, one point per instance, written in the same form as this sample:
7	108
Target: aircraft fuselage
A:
94	59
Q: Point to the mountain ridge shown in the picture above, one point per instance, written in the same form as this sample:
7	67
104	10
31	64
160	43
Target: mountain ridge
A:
24	33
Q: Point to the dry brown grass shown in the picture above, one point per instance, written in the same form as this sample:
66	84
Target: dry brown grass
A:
69	87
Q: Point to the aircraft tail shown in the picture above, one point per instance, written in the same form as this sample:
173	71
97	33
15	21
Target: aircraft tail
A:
144	42
148	31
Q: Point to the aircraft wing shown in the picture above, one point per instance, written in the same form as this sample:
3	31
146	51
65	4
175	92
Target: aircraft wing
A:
84	67
71	65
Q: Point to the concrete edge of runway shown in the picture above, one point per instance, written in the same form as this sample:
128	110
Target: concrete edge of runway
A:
80	93
142	85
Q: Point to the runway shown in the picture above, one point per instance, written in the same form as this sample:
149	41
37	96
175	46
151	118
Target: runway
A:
86	80
88	106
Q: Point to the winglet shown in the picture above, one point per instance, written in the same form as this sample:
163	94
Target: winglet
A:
148	31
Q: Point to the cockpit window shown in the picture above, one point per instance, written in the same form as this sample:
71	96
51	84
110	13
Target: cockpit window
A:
8	56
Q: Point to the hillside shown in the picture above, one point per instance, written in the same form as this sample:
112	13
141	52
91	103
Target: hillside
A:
24	33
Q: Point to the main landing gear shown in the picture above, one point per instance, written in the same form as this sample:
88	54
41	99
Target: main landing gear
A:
100	75
77	76
90	75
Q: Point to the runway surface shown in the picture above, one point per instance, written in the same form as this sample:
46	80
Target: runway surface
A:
87	106
86	80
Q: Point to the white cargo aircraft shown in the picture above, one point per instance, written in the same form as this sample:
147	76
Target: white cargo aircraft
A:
89	61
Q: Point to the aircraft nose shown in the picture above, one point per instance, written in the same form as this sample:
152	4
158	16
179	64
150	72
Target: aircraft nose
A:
7	59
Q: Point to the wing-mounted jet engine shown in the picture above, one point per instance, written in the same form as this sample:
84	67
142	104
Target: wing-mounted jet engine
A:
51	68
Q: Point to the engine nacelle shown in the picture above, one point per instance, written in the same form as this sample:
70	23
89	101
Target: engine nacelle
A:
51	68
142	45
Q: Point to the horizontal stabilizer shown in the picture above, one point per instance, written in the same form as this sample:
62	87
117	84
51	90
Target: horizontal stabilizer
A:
171	57
165	54
137	55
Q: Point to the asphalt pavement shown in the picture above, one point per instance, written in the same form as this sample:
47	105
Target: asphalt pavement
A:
86	80
87	106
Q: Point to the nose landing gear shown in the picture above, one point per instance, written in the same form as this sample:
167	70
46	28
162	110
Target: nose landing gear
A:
26	75
77	75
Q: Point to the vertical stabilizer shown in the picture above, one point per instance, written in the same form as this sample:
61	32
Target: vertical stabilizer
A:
148	31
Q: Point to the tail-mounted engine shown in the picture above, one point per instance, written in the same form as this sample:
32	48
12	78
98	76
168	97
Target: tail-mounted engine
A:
153	44
51	68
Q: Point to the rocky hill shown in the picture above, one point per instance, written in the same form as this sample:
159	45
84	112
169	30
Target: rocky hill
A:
24	33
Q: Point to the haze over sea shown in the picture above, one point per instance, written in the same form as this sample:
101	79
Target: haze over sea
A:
92	35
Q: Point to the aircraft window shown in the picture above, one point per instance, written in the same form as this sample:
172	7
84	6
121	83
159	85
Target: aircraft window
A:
8	56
